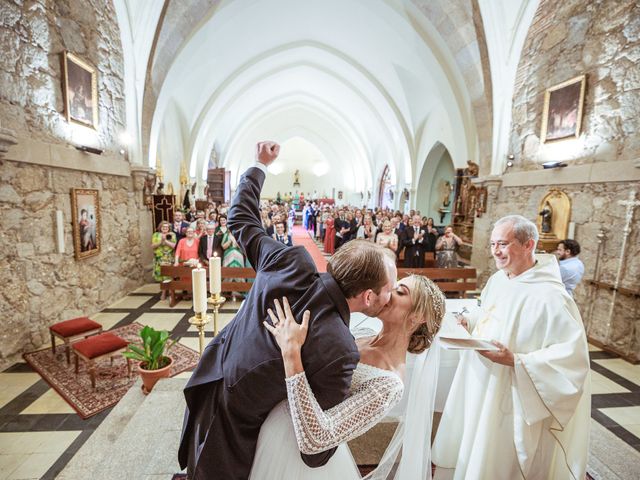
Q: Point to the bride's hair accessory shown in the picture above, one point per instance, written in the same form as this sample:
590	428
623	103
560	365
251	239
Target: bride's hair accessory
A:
428	303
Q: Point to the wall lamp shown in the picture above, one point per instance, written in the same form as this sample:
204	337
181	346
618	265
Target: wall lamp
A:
510	159
84	148
553	165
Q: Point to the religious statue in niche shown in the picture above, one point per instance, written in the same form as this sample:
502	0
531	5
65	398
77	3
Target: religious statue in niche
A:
339	194
296	178
547	215
554	215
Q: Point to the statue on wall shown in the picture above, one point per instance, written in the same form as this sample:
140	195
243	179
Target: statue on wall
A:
473	169
296	178
445	191
547	216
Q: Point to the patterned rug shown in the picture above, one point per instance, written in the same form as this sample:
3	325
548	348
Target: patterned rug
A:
111	381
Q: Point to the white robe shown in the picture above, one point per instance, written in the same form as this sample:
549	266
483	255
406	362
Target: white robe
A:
532	420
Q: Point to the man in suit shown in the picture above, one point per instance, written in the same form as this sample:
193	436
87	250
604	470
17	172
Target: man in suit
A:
414	244
240	377
209	244
179	226
281	236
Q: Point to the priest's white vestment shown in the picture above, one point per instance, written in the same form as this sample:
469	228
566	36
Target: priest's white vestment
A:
529	421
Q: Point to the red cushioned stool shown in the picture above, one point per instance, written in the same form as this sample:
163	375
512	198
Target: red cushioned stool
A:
97	347
71	331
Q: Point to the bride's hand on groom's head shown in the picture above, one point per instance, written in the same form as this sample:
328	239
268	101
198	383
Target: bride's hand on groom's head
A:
289	335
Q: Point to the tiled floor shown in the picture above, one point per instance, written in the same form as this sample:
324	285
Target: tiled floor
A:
39	431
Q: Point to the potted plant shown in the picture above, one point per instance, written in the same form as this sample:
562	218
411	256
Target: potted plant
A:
153	364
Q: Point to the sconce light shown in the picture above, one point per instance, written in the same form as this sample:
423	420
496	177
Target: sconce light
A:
510	159
84	148
554	164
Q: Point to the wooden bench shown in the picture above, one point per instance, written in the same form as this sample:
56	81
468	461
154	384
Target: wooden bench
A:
181	280
452	281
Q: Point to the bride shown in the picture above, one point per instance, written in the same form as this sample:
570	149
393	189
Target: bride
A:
410	320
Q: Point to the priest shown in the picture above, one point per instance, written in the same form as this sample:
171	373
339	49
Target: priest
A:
522	411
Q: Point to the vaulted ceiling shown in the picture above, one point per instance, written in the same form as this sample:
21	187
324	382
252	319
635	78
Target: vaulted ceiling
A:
366	82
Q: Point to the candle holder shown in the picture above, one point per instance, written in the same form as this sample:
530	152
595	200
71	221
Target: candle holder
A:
199	321
216	300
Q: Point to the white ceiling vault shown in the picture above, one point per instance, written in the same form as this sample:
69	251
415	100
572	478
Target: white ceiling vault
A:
365	82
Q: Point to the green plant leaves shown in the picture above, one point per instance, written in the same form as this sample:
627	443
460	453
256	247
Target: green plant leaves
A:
151	351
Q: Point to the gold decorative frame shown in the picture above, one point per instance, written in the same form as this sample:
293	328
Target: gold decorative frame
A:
86	226
80	89
562	112
560	204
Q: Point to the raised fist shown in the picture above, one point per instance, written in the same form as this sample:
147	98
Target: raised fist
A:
267	152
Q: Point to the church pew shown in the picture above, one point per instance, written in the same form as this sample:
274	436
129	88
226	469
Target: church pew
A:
181	280
458	281
429	259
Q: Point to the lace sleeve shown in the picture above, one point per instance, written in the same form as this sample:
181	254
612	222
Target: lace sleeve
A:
317	430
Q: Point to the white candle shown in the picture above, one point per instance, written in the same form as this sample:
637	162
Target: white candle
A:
215	275
199	282
572	230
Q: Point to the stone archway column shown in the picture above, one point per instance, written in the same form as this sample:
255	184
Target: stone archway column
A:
480	255
139	174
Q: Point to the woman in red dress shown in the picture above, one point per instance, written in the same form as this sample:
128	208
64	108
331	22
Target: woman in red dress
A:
329	235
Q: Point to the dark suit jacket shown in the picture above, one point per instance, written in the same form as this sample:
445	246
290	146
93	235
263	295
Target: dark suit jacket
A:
286	240
240	377
414	250
180	232
202	247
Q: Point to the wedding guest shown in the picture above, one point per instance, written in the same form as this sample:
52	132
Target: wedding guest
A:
367	230
571	267
179	226
231	256
187	249
387	238
414	239
281	236
432	235
209	244
446	248
163	243
201	227
329	234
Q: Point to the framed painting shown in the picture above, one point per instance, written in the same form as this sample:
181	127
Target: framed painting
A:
562	114
80	91
85	215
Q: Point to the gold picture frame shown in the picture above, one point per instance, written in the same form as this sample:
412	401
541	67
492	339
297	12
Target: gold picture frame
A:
562	113
80	87
85	215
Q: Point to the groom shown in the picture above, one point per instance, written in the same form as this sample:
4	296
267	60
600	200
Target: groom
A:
240	377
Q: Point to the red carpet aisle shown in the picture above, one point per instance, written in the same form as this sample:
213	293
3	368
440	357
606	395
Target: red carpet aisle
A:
301	237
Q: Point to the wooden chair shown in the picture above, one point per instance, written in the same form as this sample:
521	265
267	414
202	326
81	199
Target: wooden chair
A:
98	347
452	281
71	331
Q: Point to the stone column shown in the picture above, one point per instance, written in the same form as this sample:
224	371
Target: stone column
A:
480	256
139	174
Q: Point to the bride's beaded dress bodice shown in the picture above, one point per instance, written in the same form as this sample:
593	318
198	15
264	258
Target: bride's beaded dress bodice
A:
374	392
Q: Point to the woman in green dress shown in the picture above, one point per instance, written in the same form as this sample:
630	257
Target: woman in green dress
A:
163	243
231	256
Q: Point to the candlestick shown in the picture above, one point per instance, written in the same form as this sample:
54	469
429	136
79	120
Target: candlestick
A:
215	275
216	300
199	321
199	282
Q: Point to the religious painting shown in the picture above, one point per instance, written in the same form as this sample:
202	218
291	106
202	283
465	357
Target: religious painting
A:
80	91
85	214
562	114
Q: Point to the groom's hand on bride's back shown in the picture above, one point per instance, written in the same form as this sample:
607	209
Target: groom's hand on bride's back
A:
267	152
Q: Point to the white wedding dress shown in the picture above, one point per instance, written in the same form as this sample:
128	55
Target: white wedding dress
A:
374	392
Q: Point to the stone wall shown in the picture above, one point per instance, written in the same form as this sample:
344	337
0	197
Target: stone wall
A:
569	38
40	167
602	40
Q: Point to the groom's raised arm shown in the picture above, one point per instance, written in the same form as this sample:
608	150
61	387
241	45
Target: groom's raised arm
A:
244	214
